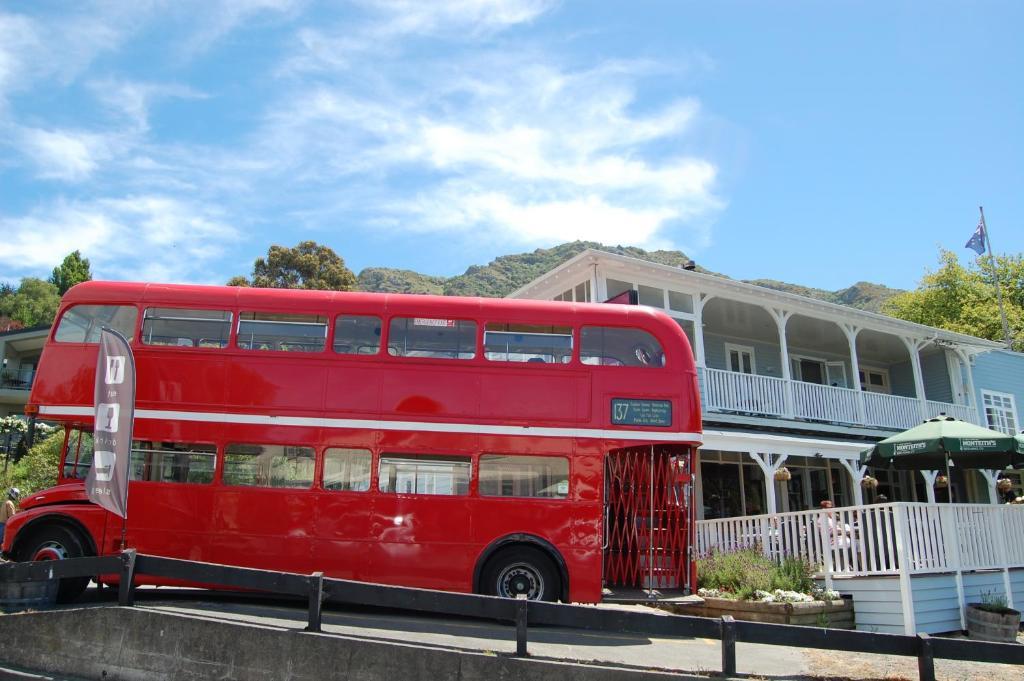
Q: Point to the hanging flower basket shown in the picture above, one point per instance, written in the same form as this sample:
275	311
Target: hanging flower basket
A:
868	482
783	474
1004	485
942	481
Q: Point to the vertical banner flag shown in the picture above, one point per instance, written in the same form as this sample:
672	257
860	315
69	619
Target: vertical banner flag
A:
977	241
107	482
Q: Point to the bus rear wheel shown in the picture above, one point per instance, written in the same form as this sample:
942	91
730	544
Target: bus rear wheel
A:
521	570
56	542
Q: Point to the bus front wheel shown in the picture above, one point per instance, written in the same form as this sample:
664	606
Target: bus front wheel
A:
522	570
56	542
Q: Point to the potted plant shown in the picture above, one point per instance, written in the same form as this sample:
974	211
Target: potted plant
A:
1004	485
992	619
868	482
783	474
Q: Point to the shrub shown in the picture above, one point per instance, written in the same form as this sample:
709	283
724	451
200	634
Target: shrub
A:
38	468
744	573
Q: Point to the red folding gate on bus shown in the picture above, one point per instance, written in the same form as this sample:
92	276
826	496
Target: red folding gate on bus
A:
648	509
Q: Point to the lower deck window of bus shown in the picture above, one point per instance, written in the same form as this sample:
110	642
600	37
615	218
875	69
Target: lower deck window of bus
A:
186	328
614	346
172	462
282	332
357	335
527	343
504	475
78	455
347	470
268	466
437	338
82	323
424	474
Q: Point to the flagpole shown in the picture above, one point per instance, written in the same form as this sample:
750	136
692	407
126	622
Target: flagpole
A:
995	276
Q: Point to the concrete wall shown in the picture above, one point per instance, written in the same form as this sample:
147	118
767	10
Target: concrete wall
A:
130	644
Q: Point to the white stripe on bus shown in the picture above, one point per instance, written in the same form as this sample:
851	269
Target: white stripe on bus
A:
372	424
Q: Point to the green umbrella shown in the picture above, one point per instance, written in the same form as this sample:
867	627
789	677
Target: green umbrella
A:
1020	443
942	440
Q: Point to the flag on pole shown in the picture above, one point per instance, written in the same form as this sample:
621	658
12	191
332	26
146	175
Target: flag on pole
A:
107	481
977	241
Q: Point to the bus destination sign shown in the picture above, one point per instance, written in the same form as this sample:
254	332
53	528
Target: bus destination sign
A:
641	412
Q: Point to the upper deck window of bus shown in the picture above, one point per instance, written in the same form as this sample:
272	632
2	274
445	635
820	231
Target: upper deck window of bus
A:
527	343
186	328
172	462
424	474
437	338
357	335
615	346
268	465
284	332
82	323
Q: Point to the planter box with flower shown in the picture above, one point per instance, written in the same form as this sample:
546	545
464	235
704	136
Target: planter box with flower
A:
750	586
992	620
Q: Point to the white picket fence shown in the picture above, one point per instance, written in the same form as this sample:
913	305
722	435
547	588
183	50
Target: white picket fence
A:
879	539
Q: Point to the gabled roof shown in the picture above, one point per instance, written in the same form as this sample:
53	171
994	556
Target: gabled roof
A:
739	290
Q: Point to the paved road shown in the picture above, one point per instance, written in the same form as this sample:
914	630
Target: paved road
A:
694	655
629	650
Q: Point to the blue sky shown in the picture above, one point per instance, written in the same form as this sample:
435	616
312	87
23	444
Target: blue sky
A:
818	143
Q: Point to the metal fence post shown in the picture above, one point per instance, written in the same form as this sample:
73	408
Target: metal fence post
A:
316	600
521	611
126	585
925	658
728	628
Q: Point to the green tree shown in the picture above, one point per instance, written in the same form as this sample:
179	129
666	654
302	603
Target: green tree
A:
33	304
73	270
309	266
963	299
238	281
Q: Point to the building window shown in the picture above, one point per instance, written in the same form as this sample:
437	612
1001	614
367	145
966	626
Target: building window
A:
1000	411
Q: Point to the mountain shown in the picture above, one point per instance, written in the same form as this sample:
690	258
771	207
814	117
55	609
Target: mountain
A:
863	295
509	272
388	280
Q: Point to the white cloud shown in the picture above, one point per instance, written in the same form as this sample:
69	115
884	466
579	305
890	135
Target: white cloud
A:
426	16
65	154
132	99
567	150
145	237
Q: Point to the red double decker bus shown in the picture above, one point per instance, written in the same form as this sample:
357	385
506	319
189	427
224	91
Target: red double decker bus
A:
493	446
